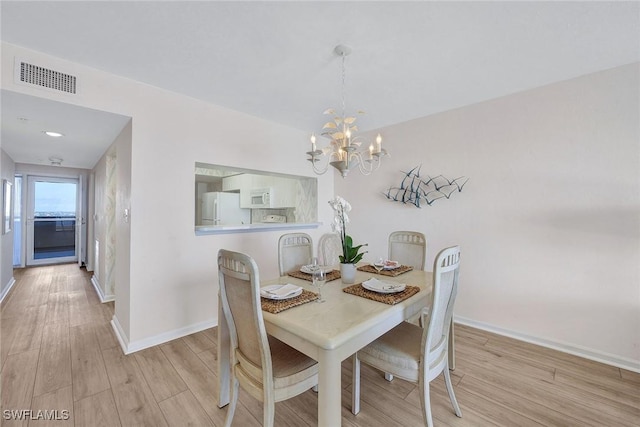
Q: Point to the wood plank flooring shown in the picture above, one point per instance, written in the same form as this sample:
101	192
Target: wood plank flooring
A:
59	353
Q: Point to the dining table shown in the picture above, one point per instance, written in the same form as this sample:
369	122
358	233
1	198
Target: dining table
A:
330	331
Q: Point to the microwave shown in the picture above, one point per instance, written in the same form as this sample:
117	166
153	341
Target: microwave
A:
261	198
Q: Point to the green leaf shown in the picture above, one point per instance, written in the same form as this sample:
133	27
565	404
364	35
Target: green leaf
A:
351	254
348	241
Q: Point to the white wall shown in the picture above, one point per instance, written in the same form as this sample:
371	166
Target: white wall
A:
7	169
173	272
549	222
168	284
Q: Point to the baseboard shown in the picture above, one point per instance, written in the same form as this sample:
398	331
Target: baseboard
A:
120	335
131	347
103	298
7	288
595	355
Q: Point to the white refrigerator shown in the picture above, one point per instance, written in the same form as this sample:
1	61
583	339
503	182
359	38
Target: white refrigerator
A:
223	209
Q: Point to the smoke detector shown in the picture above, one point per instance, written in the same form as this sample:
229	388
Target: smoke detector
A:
55	161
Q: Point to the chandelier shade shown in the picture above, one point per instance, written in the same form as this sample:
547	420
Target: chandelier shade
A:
345	150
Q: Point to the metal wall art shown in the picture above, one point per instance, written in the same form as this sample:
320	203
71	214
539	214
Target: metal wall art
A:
418	190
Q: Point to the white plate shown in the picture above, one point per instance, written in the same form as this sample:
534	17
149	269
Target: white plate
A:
264	292
308	268
392	265
381	287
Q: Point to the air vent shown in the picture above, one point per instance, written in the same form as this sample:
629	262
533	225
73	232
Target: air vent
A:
45	77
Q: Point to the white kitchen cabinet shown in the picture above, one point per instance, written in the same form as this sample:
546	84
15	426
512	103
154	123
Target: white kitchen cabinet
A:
239	183
283	190
236	182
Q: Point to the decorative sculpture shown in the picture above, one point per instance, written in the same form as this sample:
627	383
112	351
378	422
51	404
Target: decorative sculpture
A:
415	190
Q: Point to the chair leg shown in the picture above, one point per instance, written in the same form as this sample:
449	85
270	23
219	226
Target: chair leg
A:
355	386
452	347
233	400
269	411
425	402
452	396
424	317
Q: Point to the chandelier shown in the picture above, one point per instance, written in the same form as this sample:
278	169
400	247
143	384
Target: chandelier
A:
345	150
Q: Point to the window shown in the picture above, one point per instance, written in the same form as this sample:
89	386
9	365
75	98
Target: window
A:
228	198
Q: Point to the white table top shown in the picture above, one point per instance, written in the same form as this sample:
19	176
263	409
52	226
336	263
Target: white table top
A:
344	316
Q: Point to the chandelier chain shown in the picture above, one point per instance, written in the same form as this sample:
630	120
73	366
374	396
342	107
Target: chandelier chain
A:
344	90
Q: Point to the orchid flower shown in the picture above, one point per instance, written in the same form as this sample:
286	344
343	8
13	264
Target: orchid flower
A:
350	254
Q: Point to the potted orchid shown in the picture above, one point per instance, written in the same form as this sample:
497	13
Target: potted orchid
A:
350	254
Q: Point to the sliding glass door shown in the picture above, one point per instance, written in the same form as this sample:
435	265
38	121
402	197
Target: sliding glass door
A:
52	213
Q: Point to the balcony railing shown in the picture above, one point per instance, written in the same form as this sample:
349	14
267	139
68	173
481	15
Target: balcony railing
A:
54	237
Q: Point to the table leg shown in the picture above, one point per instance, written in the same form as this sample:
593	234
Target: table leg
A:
224	373
329	393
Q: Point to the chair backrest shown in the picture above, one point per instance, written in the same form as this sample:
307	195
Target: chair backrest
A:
329	249
294	251
240	295
408	248
435	337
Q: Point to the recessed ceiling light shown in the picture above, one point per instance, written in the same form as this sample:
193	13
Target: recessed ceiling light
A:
53	134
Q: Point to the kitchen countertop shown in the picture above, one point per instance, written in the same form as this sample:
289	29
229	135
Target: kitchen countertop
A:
202	230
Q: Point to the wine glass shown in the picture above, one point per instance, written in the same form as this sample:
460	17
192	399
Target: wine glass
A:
379	264
319	279
313	264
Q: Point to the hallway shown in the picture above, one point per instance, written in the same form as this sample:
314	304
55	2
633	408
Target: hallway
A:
53	332
59	354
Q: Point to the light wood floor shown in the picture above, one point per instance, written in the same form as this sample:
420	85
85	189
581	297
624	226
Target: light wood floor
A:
58	352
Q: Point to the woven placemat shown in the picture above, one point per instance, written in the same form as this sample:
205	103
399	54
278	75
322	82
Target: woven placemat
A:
390	299
276	306
331	275
392	273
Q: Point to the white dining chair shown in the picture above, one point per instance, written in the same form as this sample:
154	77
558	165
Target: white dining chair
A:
408	248
329	249
418	354
294	251
268	369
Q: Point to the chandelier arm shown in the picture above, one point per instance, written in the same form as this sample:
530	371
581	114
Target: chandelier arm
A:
318	171
374	165
314	157
362	165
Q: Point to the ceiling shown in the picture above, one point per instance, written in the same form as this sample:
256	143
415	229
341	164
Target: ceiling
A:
275	59
87	133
